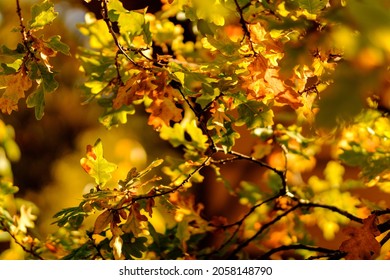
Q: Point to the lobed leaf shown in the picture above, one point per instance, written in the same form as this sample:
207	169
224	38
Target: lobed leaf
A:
96	165
42	14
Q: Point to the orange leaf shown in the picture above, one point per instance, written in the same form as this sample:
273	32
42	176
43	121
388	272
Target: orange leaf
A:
15	87
162	112
362	244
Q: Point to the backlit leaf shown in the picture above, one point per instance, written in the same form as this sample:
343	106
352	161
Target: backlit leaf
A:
37	100
96	165
15	87
42	14
56	44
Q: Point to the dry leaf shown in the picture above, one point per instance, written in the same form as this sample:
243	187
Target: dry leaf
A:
362	244
15	87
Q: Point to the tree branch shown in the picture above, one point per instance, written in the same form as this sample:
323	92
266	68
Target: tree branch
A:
30	251
104	12
297	247
306	204
261	230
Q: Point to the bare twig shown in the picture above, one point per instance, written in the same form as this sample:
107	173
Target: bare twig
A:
30	250
306	204
298	247
244	26
261	230
239	156
385	226
385	239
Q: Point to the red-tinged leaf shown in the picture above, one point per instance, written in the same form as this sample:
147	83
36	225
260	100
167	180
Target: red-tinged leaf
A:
102	221
362	244
96	165
150	203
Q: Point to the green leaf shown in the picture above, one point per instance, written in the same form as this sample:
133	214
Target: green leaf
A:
96	165
133	247
37	100
7	188
66	214
131	24
41	15
312	6
48	82
227	138
254	114
56	44
11	68
84	252
115	8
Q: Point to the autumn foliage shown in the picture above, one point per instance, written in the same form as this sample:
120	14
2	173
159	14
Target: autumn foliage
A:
277	112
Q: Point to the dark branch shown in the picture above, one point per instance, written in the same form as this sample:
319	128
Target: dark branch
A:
261	230
305	204
384	226
244	26
381	212
298	247
385	239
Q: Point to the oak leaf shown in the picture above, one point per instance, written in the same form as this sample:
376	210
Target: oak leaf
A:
15	87
362	244
96	165
164	110
102	221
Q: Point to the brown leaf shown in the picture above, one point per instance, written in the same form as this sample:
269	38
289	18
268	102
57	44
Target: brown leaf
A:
150	203
134	89
362	244
102	221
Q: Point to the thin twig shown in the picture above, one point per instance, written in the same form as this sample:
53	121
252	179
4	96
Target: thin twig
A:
104	12
30	251
244	26
251	210
385	239
174	189
298	247
261	230
306	204
280	173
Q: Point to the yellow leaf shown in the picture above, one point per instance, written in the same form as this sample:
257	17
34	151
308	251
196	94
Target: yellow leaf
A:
15	87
